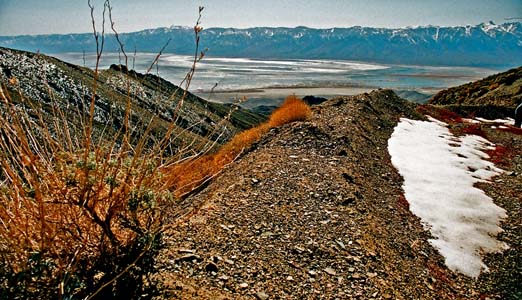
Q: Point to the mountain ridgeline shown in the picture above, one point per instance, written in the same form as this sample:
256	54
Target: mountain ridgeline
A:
486	44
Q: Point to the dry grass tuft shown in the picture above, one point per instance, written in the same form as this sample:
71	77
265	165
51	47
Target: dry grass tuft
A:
185	177
293	109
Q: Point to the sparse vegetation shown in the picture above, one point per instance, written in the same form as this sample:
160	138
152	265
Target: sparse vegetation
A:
81	219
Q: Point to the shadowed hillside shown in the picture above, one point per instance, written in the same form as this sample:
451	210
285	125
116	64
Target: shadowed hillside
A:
503	89
45	83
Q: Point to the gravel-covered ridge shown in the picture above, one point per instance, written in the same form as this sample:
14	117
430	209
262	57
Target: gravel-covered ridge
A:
313	211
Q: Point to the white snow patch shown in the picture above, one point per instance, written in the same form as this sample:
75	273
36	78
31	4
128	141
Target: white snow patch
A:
507	121
472	121
439	171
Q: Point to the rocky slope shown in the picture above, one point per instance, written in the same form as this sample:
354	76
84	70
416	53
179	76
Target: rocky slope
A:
483	44
503	89
42	83
315	211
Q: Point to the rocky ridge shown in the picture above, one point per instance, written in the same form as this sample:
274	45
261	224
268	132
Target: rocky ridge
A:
315	210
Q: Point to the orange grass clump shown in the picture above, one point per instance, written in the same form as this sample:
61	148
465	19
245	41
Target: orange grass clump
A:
187	176
293	109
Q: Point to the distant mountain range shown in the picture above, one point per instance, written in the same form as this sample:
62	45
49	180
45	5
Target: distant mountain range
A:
486	44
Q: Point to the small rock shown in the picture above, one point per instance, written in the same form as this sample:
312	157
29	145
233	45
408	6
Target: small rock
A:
267	234
211	267
289	278
188	257
387	296
330	271
371	275
223	278
224	227
261	295
312	273
255	180
299	249
243	285
341	244
184	251
351	270
294	156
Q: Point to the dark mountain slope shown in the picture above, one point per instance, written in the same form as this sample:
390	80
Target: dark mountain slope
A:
46	84
503	89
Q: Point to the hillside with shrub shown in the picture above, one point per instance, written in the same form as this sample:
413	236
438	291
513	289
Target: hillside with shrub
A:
84	186
121	185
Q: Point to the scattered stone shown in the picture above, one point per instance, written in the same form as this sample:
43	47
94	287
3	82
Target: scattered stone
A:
189	258
330	271
243	285
341	244
261	295
283	249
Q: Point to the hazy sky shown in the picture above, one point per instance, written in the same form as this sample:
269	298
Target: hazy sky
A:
67	16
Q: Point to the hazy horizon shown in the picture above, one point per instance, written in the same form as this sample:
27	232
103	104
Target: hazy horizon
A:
33	17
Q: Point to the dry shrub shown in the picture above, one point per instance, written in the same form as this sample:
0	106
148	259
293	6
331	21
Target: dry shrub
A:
475	129
293	109
185	177
82	217
73	220
501	155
